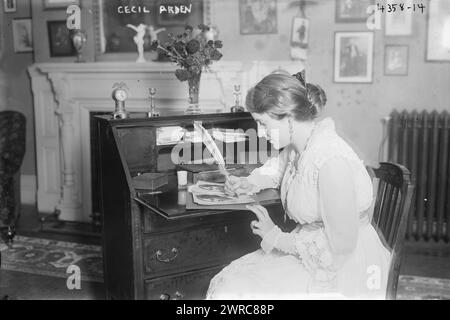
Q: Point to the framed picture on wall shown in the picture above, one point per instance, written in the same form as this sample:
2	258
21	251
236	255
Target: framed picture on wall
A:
9	6
300	32
396	60
22	35
398	22
59	39
114	40
59	4
353	57
353	11
438	33
258	16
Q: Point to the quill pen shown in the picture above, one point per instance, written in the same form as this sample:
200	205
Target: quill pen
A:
212	148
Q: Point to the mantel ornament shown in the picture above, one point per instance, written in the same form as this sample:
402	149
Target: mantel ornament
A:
141	29
120	94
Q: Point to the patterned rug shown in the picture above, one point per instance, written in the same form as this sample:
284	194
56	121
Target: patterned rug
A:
423	288
51	258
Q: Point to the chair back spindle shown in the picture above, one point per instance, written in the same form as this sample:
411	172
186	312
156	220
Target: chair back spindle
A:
390	214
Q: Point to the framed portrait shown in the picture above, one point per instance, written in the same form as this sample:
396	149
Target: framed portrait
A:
114	40
438	33
353	57
9	6
396	60
59	4
22	35
258	16
399	23
352	11
300	32
59	39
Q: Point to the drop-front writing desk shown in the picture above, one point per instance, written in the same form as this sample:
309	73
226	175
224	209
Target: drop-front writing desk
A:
153	248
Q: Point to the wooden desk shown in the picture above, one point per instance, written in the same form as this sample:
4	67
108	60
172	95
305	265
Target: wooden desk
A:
153	248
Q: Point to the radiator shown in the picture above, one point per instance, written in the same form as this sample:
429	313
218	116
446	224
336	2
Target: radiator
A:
420	141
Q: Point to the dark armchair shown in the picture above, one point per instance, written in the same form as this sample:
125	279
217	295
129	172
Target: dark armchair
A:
12	150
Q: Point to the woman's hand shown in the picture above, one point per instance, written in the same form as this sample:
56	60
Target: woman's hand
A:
262	226
237	185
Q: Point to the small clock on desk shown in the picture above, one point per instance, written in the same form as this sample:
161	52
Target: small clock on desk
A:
119	95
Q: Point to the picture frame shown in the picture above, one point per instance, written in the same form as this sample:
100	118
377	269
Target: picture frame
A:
59	4
438	31
22	35
396	60
300	32
258	17
353	57
399	23
9	6
114	41
60	42
352	11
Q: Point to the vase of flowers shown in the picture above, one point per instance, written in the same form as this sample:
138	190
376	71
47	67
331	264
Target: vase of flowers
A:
193	51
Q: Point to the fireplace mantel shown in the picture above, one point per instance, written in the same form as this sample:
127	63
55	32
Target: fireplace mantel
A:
66	93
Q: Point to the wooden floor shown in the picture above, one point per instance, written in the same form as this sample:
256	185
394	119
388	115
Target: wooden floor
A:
419	259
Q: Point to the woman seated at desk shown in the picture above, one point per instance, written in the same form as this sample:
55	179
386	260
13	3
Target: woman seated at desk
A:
334	252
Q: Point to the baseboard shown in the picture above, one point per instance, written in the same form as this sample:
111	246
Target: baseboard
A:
28	189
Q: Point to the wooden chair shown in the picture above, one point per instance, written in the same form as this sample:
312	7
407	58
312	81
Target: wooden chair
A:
390	216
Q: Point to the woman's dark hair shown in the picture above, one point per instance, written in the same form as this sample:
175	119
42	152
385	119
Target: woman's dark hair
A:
281	95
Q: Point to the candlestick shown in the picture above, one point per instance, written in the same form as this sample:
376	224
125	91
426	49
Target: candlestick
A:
237	99
152	112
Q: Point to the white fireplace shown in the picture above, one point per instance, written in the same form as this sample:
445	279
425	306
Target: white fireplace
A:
66	93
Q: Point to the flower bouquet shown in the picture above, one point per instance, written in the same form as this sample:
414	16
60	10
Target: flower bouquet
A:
192	51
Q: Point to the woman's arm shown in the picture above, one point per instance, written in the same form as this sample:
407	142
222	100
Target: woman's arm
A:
325	248
338	205
269	175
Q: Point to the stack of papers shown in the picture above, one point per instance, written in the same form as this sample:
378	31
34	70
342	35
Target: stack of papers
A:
169	135
210	193
193	137
228	135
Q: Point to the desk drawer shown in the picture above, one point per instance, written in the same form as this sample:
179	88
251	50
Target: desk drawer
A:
197	248
189	286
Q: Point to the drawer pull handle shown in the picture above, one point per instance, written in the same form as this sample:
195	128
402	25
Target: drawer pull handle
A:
164	296
159	255
178	296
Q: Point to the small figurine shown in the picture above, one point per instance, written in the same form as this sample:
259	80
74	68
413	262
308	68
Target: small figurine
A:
237	99
120	94
139	39
154	33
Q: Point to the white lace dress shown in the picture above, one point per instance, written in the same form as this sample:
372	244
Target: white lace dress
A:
310	270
